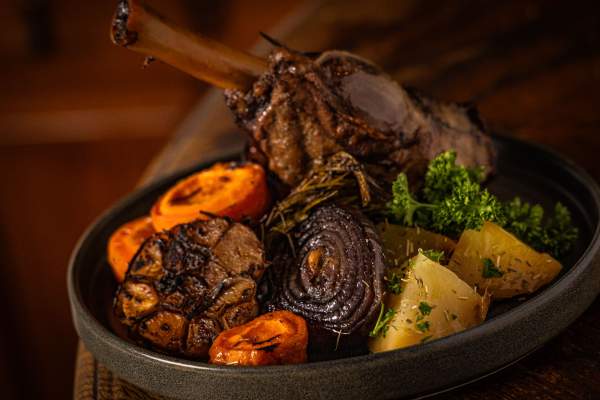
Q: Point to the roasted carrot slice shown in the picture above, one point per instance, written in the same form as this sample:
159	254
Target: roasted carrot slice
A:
125	242
225	189
279	337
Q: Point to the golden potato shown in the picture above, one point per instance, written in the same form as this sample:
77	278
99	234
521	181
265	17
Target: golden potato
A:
495	260
402	243
433	303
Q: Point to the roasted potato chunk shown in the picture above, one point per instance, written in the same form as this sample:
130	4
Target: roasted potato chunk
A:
402	243
497	262
433	303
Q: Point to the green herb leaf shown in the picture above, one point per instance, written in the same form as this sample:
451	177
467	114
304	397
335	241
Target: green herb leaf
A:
423	326
403	205
382	325
443	175
433	255
394	283
490	270
425	308
556	236
452	200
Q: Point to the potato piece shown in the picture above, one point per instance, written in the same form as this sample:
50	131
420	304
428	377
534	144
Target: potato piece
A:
433	303
402	243
494	260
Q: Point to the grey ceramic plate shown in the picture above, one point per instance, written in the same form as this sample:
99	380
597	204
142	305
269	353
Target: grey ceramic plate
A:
512	330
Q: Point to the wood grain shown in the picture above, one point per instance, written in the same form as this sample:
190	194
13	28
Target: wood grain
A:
532	67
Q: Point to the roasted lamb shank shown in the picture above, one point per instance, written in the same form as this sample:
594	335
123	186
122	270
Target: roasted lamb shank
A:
303	110
299	110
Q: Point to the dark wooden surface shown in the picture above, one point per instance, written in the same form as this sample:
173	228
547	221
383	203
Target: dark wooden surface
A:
532	67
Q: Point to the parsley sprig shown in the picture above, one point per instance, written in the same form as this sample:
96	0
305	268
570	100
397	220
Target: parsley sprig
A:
452	200
382	325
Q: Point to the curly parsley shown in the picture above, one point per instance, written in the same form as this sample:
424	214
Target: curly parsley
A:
452	200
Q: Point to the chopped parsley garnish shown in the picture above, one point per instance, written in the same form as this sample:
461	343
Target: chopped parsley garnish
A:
452	200
490	270
433	255
382	325
394	283
425	308
423	326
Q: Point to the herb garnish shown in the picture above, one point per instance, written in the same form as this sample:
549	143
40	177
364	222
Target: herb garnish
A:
341	178
490	270
556	236
425	308
423	326
452	200
394	283
433	255
465	205
382	325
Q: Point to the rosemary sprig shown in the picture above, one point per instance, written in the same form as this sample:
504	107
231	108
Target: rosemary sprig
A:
341	178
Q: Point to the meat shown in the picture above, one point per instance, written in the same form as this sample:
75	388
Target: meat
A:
299	110
302	110
186	285
333	278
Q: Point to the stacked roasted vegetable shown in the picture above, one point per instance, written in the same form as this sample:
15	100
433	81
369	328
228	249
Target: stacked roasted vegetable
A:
221	269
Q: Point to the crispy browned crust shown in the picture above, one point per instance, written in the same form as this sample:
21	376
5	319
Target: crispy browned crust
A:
303	110
186	285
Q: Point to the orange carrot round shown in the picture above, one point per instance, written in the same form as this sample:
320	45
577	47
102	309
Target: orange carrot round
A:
279	337
225	189
125	242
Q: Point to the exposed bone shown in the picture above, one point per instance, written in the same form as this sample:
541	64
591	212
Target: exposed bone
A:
139	28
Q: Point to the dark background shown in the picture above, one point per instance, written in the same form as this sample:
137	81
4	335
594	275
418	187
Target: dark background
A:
74	137
80	120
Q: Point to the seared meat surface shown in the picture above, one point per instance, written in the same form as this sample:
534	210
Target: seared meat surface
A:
187	284
303	110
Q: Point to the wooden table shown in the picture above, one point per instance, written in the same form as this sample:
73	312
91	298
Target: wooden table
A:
532	67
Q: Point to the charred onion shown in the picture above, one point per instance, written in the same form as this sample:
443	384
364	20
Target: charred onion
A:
335	279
